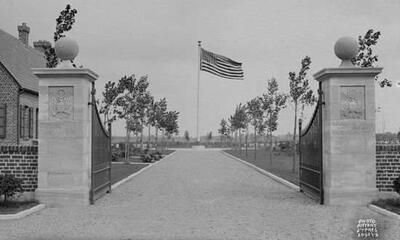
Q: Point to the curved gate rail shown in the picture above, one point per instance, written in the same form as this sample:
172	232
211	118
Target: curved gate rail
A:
310	147
101	156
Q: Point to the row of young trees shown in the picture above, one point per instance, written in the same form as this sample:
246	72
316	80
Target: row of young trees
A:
130	100
262	112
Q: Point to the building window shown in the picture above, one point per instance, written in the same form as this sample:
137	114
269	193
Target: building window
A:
26	124
22	121
30	122
37	123
3	120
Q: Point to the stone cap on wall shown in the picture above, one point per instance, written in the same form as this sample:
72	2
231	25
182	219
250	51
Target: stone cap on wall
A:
341	72
65	73
18	149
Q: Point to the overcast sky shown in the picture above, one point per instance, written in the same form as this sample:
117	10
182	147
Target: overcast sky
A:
159	38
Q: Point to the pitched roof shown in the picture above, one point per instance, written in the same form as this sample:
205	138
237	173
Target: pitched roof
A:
19	59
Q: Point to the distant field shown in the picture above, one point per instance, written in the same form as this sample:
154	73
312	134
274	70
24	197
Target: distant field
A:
281	162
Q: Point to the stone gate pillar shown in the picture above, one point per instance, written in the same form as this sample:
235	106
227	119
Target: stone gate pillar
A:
348	129
64	177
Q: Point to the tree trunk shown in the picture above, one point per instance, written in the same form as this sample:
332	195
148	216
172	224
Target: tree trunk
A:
105	118
270	147
247	136
240	141
127	143
156	140
235	141
294	137
165	139
141	139
265	142
162	143
255	142
137	144
148	142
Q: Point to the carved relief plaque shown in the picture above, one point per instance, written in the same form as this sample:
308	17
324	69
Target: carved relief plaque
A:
61	103
352	102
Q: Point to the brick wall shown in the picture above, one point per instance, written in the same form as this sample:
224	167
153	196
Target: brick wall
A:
387	166
22	162
9	96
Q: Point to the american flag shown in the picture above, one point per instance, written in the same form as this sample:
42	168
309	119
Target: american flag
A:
220	65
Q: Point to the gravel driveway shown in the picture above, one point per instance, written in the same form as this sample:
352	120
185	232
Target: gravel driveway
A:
199	195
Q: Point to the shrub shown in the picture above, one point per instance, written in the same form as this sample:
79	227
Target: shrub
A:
156	156
147	158
285	146
9	186
153	157
396	184
117	154
159	155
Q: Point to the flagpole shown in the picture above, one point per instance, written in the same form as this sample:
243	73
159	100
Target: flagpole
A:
198	93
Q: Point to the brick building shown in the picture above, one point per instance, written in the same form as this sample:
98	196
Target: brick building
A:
19	87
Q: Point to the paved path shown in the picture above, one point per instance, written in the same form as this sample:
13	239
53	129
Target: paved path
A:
198	195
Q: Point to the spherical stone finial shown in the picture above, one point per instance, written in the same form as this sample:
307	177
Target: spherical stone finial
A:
66	49
346	48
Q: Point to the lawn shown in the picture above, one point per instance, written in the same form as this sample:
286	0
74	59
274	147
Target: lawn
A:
120	171
12	207
281	162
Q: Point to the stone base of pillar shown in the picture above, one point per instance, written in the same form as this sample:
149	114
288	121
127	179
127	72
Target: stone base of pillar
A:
63	197
349	196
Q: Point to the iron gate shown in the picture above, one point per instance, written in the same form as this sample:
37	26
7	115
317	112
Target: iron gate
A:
101	156
310	148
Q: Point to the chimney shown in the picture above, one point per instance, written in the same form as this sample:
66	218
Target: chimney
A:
23	32
41	45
